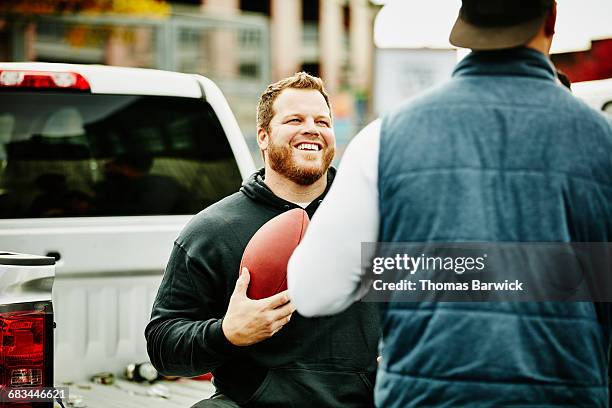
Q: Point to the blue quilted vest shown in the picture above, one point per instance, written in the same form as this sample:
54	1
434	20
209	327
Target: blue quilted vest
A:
499	153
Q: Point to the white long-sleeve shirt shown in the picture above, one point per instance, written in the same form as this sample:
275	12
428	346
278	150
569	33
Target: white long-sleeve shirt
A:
325	271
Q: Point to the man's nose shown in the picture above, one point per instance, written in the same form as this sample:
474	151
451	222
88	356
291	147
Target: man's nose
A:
310	127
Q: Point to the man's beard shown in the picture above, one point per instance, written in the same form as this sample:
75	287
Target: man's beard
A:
282	161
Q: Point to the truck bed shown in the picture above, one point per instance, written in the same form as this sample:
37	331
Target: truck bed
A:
181	393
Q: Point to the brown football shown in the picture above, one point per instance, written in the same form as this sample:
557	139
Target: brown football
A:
267	254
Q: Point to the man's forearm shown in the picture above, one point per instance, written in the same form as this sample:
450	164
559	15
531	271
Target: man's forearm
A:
186	348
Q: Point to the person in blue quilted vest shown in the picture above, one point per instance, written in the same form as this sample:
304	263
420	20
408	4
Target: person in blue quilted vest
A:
500	153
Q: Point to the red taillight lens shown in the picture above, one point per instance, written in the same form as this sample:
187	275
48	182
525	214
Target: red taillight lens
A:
43	79
25	347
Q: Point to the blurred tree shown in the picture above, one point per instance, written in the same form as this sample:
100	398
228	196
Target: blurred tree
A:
152	8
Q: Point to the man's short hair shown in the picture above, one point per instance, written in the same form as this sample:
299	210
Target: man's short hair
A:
300	80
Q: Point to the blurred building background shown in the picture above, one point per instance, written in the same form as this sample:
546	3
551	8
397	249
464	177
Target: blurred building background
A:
370	61
242	45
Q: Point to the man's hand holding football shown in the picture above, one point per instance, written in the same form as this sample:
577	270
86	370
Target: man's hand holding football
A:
248	321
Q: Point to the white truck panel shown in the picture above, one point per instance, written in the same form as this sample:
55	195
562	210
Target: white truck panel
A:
98	244
100	323
37	278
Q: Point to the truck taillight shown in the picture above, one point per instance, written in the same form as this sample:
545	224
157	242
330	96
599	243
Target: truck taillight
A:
26	329
26	333
43	79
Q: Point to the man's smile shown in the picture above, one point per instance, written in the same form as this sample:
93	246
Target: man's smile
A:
308	146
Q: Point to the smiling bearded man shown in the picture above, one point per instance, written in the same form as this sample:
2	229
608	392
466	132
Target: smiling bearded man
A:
283	161
260	352
295	134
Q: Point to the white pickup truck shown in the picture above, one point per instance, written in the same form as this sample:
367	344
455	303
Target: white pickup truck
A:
100	168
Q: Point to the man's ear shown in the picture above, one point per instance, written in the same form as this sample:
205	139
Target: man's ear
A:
551	20
263	138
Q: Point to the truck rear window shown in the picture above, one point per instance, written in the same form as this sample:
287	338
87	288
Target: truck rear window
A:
81	155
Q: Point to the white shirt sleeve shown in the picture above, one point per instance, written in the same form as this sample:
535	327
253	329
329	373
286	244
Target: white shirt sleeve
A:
324	273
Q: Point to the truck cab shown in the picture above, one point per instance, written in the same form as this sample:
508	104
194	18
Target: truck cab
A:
100	169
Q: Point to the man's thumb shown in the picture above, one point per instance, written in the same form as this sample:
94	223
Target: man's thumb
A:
243	281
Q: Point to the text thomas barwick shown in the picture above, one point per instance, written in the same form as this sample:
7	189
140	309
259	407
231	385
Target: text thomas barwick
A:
428	285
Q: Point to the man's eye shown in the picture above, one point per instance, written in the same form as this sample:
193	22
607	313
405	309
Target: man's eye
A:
293	120
324	123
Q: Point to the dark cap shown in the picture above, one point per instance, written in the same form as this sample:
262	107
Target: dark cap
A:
498	24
